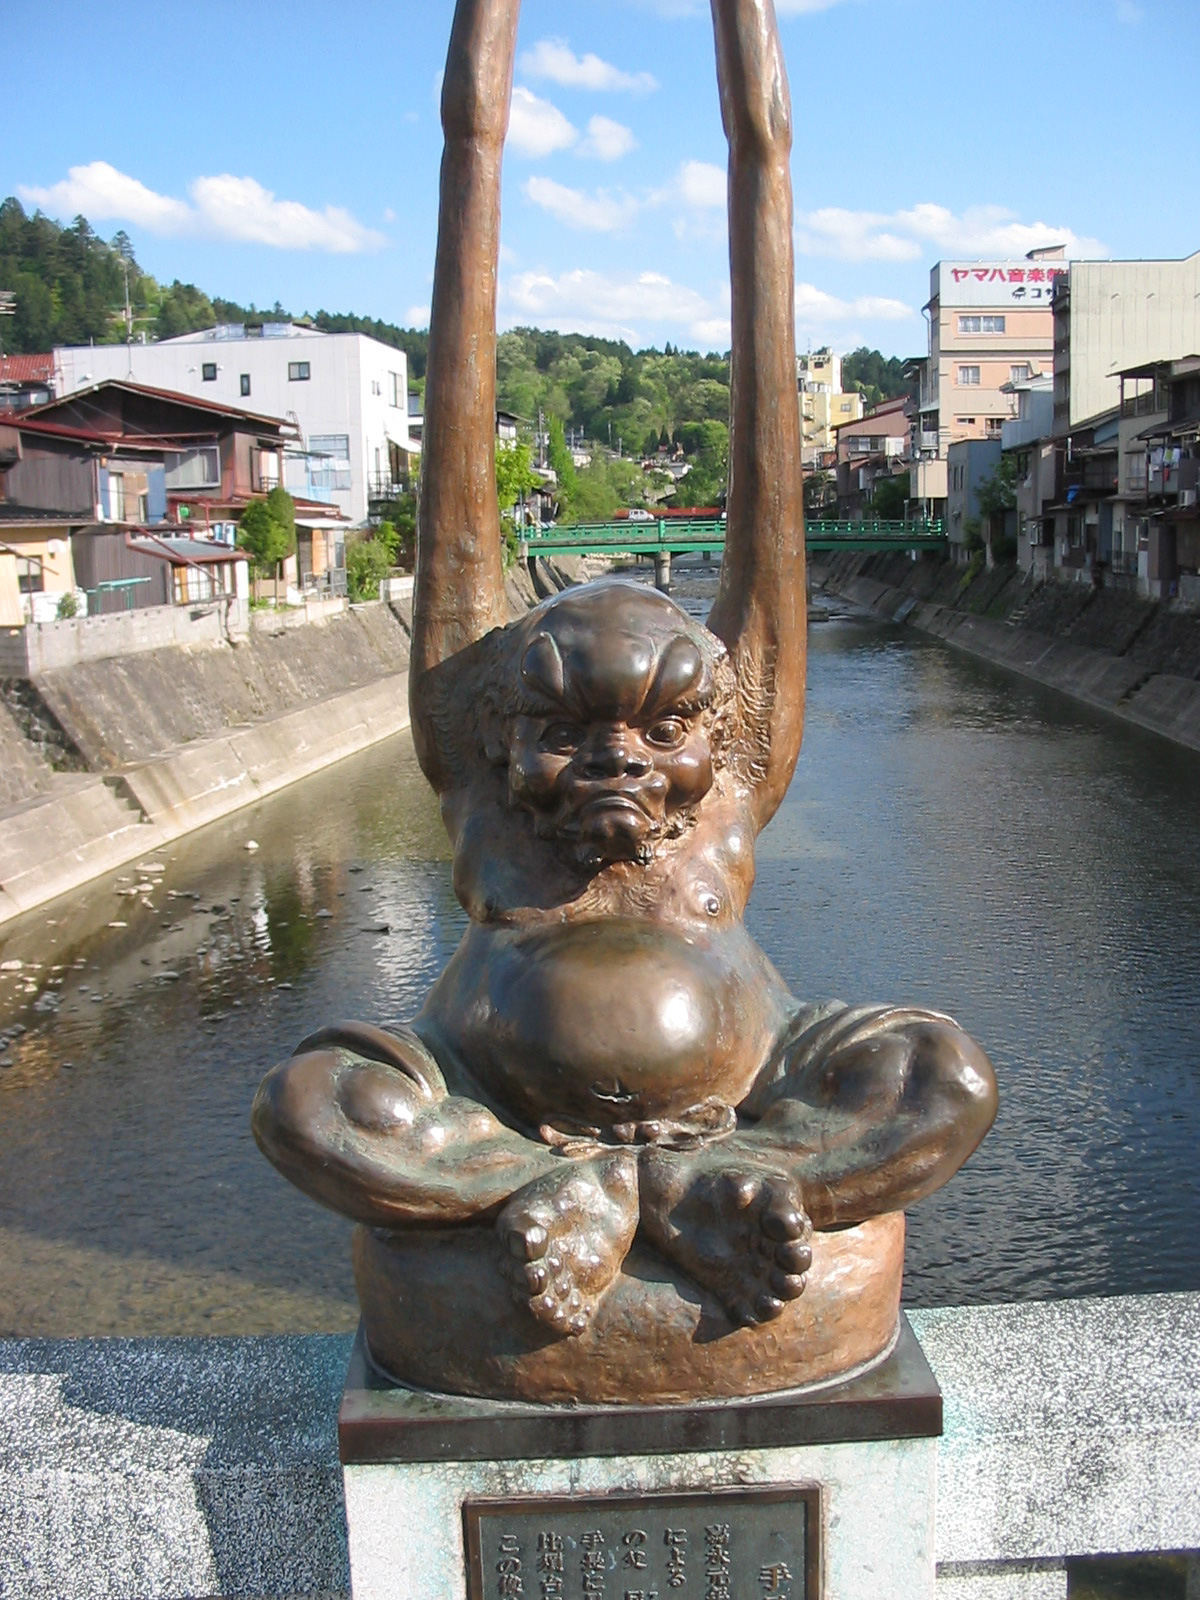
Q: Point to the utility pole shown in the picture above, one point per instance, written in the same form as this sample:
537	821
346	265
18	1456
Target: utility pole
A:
8	308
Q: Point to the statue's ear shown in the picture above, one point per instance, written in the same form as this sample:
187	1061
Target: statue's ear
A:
542	668
493	729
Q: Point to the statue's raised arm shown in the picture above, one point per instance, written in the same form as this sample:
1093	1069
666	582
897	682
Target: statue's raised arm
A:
459	593
760	612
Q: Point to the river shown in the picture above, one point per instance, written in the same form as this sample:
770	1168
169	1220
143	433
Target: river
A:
952	838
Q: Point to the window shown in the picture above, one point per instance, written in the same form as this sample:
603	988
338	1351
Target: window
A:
208	372
116	497
298	372
965	422
397	394
994	425
193	469
31	577
330	453
244	382
190	584
968	376
980	324
268	470
1019	372
376	386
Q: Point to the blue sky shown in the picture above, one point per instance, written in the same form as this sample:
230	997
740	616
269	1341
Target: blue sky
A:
268	151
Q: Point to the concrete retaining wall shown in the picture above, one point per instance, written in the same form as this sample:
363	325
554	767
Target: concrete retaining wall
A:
1126	684
53	646
184	1468
90	825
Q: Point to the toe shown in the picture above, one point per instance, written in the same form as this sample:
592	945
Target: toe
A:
783	1220
794	1255
788	1285
527	1242
767	1307
536	1277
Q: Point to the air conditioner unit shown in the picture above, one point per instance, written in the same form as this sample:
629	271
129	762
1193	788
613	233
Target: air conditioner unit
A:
1187	497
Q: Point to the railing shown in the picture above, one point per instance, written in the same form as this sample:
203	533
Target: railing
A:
680	536
161	1467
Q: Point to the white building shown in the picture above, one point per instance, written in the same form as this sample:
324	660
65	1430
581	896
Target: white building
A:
347	393
1112	315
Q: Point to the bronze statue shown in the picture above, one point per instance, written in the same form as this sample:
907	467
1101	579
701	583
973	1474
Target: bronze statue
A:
609	1056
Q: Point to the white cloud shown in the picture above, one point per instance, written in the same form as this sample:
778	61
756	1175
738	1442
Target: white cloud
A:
703	186
222	207
240	208
802	8
99	192
594	302
713	333
554	59
607	140
417	317
600	212
814	306
537	128
929	229
1128	13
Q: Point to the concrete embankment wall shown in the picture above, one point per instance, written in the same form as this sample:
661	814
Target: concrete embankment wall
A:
106	757
108	760
1134	658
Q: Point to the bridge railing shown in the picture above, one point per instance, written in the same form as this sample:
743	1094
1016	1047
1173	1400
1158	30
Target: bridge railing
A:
680	535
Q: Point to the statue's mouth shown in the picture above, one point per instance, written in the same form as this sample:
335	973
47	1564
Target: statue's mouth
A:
614	807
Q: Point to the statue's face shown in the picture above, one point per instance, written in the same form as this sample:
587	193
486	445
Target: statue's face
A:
620	749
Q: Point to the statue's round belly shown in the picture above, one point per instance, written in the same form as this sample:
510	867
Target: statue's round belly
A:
614	1021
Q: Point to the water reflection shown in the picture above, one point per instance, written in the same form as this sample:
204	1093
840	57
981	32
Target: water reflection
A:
952	838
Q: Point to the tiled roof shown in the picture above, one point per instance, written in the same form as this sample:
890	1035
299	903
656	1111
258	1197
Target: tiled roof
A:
26	369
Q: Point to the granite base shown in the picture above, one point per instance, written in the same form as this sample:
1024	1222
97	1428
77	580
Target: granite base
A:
412	1461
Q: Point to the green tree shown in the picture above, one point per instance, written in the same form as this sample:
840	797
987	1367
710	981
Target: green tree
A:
267	532
876	377
997	500
561	462
514	473
367	564
890	498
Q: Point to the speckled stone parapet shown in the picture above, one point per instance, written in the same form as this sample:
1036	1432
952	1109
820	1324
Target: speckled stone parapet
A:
155	1468
1072	1427
147	1469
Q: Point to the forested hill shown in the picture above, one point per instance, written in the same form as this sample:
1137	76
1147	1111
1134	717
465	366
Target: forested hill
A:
70	286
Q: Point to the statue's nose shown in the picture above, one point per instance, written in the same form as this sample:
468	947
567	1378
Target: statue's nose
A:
611	754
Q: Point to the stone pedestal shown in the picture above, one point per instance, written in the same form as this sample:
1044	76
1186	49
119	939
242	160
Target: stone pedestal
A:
824	1494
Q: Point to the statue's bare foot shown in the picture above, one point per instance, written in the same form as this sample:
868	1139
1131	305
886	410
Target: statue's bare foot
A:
565	1236
736	1228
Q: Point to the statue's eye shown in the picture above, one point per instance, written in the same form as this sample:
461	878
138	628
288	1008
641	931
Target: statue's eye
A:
562	736
667	733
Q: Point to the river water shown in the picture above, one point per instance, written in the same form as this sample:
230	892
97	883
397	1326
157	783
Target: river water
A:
952	838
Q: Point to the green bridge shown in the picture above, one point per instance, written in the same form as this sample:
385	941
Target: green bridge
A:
683	535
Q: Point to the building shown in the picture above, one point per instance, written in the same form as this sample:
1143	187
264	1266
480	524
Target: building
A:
869	448
160	467
968	463
824	406
345	394
991	324
1110	316
1026	438
25	381
1156	533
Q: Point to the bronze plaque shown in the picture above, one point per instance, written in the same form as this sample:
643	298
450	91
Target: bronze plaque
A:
737	1544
